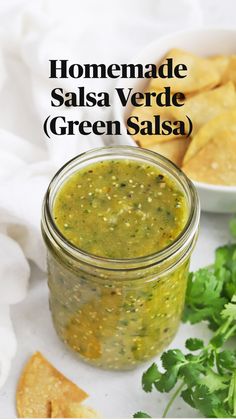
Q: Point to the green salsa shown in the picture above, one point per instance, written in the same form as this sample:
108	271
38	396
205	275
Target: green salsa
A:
120	209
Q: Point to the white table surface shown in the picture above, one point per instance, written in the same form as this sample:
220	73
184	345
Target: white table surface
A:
114	394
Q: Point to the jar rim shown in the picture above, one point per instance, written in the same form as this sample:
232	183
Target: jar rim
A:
118	152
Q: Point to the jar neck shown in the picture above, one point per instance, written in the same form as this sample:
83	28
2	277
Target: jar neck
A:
164	258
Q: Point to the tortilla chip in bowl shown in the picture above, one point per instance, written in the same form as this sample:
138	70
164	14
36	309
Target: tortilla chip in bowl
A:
210	103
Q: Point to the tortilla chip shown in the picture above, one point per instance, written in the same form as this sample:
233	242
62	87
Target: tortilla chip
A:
207	105
221	62
173	150
216	162
227	120
230	72
74	410
39	384
201	73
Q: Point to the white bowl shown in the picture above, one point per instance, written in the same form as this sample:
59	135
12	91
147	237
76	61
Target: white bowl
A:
203	42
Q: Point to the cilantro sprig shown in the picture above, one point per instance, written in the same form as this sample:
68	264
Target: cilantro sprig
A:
204	376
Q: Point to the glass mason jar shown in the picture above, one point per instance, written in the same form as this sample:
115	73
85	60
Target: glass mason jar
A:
118	313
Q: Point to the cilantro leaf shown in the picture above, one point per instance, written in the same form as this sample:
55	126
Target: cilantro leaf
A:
194	344
191	373
224	256
187	396
225	266
203	297
226	360
172	358
229	311
141	415
167	380
150	377
213	381
205	401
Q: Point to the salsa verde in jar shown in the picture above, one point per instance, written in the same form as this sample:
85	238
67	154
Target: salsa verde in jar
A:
120	224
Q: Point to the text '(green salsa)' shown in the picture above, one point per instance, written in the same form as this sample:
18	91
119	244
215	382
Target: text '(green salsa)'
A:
120	209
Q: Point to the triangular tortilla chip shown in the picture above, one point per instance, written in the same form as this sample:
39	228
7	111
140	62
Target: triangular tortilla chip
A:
230	72
215	163
173	150
207	105
74	410
39	384
221	62
227	120
201	73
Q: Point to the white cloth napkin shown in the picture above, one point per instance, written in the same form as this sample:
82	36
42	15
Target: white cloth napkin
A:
31	33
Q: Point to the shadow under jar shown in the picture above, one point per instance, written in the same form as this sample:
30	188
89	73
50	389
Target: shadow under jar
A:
116	312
